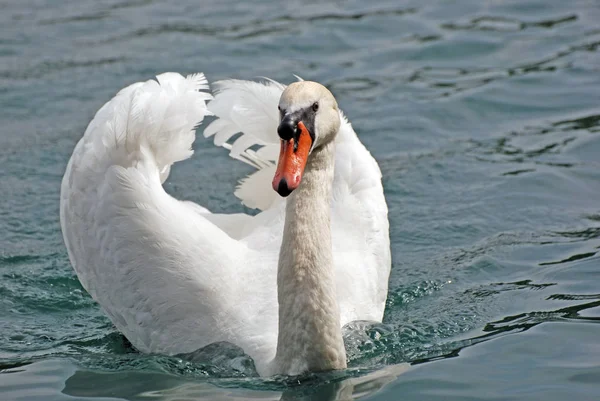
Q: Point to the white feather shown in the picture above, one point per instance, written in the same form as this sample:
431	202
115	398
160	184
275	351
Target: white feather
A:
249	108
172	276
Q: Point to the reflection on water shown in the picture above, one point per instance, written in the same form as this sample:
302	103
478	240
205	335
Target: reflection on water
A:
54	376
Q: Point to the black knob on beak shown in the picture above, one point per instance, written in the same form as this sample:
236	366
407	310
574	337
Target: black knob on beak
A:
287	128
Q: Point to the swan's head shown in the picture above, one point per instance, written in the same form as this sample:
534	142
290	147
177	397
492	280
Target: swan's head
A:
309	119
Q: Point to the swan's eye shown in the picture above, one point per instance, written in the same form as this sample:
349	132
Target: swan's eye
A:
315	106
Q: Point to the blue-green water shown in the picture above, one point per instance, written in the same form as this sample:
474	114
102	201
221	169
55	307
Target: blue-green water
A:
484	116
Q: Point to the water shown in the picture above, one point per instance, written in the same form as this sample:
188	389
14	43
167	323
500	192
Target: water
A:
484	117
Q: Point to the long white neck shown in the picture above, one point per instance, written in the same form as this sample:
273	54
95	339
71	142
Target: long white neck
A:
310	337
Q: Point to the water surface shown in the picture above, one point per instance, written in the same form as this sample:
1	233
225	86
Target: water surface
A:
484	117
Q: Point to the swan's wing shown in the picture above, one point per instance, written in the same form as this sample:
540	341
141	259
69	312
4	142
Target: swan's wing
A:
247	127
360	230
168	278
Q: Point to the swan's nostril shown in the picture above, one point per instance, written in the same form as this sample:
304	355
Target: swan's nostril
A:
283	189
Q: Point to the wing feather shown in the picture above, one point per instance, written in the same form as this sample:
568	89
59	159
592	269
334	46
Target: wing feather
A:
249	108
147	258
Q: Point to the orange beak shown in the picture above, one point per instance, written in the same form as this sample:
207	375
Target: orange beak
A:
292	160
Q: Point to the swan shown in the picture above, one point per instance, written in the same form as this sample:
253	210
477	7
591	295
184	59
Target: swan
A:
174	277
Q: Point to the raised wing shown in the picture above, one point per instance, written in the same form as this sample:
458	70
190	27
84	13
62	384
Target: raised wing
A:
247	127
147	258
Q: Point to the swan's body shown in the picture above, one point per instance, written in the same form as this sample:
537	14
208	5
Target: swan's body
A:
174	277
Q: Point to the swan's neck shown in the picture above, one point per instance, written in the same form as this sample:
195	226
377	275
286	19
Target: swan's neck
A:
310	337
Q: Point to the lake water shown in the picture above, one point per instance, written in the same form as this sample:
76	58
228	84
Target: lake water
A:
484	116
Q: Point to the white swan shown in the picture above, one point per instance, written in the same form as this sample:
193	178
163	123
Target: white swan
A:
174	277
